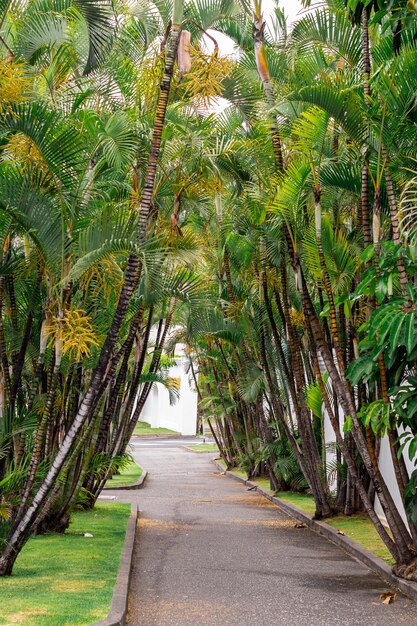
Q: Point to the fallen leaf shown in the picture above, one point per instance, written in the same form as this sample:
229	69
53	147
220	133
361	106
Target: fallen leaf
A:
388	597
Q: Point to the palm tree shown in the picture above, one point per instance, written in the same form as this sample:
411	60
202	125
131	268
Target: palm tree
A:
27	516
127	206
337	126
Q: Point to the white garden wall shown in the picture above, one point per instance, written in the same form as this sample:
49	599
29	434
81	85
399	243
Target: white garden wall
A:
181	416
386	466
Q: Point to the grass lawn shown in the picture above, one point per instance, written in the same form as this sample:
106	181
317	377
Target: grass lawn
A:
240	472
235	470
129	475
143	428
264	483
204	447
67	580
359	528
302	500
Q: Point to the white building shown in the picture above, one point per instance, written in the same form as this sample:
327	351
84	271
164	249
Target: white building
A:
181	416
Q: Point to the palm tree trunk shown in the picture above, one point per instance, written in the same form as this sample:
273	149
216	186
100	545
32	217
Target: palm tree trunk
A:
156	358
25	341
366	224
279	414
120	381
164	92
400	533
309	443
263	71
3	350
20	532
395	226
220	447
138	369
348	457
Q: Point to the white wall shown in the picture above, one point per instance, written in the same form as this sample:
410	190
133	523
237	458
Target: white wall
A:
385	461
181	416
387	471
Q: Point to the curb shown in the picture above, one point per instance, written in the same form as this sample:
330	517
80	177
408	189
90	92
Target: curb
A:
118	609
137	485
374	563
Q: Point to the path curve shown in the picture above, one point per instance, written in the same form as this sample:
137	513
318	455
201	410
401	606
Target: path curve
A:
210	553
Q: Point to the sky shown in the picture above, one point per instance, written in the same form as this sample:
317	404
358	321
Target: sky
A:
291	9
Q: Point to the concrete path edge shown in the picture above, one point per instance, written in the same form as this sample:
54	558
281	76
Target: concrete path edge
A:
118	609
137	485
371	561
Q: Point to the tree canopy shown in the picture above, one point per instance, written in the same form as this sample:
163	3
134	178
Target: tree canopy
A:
272	233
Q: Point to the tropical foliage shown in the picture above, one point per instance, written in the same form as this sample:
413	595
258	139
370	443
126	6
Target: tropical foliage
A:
273	235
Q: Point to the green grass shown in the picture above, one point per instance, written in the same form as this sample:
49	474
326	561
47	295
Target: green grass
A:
204	447
359	528
67	579
302	500
143	428
264	483
240	472
235	470
129	475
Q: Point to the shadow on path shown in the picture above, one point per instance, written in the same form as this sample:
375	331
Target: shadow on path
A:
210	553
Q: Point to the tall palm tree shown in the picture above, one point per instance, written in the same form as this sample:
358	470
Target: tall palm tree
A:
27	516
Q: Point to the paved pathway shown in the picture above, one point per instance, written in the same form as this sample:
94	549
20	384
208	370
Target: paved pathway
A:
210	553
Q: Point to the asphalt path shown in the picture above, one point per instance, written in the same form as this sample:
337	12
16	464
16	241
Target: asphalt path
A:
211	553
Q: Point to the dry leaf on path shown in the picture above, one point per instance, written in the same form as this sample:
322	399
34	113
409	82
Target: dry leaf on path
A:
388	597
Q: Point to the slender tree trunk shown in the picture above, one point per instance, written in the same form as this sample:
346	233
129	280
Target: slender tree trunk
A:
400	533
366	224
395	226
348	457
263	71
25	341
20	533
